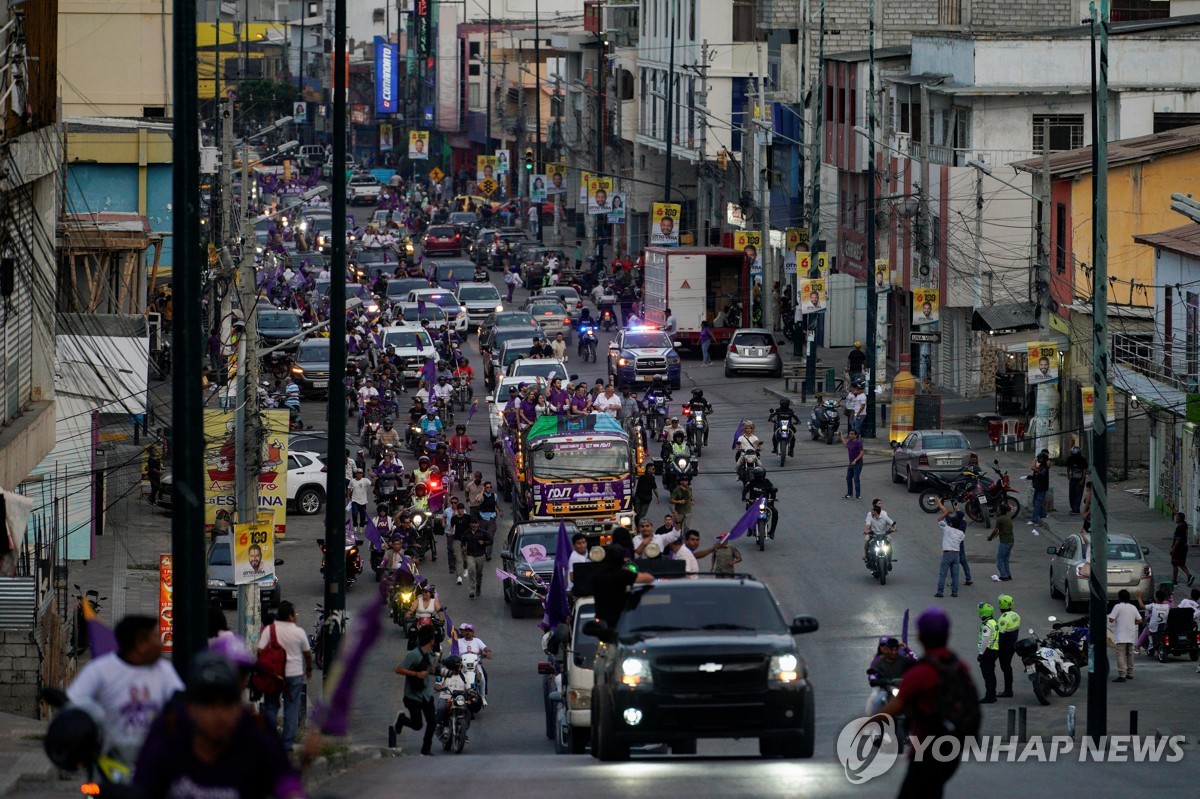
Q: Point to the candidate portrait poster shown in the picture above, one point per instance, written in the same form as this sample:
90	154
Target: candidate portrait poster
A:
599	194
616	214
502	162
557	175
485	167
418	145
925	306
254	551
1043	363
750	243
537	188
664	224
813	298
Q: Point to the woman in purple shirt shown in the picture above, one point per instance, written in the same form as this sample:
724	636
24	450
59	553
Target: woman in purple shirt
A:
854	449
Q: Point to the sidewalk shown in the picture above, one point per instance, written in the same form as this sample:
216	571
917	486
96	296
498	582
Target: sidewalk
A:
22	755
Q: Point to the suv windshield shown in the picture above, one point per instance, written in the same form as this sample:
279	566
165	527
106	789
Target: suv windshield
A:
443	300
478	293
278	320
647	341
219	555
546	539
724	606
407	339
586	459
313	353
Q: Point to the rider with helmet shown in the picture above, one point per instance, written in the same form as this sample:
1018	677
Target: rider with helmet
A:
423	470
761	486
877	523
989	651
698	402
449	681
676	446
784	411
431	425
420	500
657	389
389	436
462	444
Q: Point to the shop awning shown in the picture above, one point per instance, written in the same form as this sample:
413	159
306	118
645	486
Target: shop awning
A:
1016	343
1008	316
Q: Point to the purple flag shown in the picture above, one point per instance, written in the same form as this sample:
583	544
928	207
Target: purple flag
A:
737	434
503	575
372	533
454	282
904	628
429	371
420	344
744	524
471	411
101	639
334	713
452	631
557	604
420	307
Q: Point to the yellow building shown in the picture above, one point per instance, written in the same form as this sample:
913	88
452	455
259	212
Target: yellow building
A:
217	43
114	58
1143	173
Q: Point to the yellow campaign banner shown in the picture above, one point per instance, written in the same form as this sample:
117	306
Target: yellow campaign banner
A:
1043	363
664	224
418	145
883	280
750	243
803	264
254	551
812	296
1088	397
925	306
220	474
823	264
557	173
599	190
795	239
485	167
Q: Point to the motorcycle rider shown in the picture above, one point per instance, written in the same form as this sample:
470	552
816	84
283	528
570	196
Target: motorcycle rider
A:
423	472
888	665
699	403
761	486
1009	625
989	651
462	444
387	474
389	436
747	444
670	429
431	424
448	682
878	523
468	644
443	391
657	389
784	411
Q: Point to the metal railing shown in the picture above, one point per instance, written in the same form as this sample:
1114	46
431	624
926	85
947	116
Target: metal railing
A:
1146	358
959	156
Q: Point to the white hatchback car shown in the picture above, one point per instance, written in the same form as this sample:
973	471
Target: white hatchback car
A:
306	482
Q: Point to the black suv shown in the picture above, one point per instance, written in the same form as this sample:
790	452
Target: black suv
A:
705	658
529	553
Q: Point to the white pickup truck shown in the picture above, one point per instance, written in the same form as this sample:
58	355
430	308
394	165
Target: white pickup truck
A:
363	189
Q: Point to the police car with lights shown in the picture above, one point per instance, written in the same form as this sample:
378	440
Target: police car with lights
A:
640	354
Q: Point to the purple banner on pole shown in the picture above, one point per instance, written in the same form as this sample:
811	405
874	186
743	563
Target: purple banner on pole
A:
744	524
736	435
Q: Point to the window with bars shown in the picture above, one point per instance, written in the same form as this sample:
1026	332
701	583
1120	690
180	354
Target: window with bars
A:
1066	131
1136	10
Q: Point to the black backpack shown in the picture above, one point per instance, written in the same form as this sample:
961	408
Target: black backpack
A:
956	703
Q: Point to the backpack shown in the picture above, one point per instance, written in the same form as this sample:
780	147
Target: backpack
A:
955	703
269	675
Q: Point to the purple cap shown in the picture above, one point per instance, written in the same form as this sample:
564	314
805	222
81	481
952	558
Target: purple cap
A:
933	627
232	649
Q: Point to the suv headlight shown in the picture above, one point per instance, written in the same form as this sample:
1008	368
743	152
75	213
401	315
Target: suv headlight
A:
635	671
216	583
578	699
785	668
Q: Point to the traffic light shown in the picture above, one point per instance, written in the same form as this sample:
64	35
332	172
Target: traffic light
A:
528	159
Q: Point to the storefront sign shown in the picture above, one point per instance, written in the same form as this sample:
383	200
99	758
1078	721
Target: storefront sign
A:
166	605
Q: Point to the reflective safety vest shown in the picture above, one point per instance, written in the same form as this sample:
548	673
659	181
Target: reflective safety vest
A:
680	450
1009	622
989	635
420	503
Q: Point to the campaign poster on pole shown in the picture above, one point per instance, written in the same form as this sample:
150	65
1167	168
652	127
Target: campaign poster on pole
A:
220	457
883	275
385	138
557	173
1043	363
925	306
502	162
537	189
823	264
166	602
485	167
1088	398
664	229
598	192
418	145
584	177
750	243
616	215
254	551
812	296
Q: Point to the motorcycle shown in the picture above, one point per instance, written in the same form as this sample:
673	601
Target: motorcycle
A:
879	555
885	690
370	437
783	438
587	343
462	392
472	671
107	776
1048	668
453	732
994	492
955	489
354	565
388	489
460	468
656	416
696	421
608	319
676	468
1073	641
747	460
824	421
316	641
762	524
422	536
402	604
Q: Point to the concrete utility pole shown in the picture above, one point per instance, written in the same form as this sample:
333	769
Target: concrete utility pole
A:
761	141
669	131
802	71
868	428
814	238
924	233
1097	695
704	194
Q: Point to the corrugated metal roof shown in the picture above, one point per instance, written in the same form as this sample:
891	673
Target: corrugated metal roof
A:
1124	151
1184	240
1007	316
881	53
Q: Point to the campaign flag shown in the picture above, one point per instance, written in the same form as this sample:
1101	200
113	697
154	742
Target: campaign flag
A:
737	434
904	629
421	307
101	639
453	631
429	371
746	523
557	605
503	575
420	345
471	411
334	712
372	533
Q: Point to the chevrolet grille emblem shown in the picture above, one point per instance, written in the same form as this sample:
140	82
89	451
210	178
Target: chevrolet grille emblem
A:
710	668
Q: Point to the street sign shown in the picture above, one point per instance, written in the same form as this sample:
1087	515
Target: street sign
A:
488	186
925	338
436	174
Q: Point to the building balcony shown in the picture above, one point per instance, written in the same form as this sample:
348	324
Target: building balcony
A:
1148	359
959	156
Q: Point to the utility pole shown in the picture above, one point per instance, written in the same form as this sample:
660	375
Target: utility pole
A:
872	337
761	142
924	234
335	482
303	129
539	167
558	198
803	73
487	147
704	193
670	109
814	238
601	110
1097	695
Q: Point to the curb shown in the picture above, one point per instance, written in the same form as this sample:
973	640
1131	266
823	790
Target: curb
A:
29	767
326	767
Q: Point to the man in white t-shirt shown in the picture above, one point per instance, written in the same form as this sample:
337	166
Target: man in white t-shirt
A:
299	667
685	549
130	685
608	402
468	644
856	408
578	555
360	495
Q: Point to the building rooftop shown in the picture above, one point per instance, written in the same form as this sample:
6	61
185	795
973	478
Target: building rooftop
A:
1173	26
1184	240
1120	153
881	54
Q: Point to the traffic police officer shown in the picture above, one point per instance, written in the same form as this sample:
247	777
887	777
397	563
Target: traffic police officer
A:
1009	625
989	650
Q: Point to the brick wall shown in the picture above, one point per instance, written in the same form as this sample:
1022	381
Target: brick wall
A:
20	668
